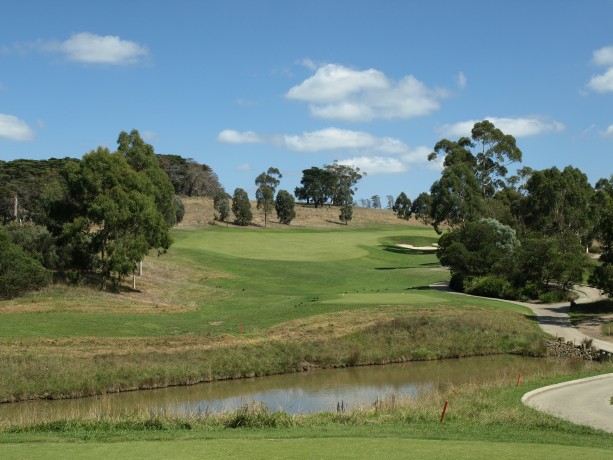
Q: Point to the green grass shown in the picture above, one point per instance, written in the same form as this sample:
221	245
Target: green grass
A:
265	449
257	278
322	297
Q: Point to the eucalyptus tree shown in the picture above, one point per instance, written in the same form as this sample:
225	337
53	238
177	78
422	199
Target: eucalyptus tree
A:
558	202
402	207
285	206
221	204
267	183
474	170
142	158
241	207
117	213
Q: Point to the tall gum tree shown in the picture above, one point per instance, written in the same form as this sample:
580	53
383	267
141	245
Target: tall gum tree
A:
474	170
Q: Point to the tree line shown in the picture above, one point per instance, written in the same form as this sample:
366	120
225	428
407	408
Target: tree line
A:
94	217
520	236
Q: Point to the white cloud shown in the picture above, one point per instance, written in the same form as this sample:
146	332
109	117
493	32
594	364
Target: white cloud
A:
337	92
376	165
98	49
608	132
14	129
335	138
604	56
602	83
244	167
230	136
517	127
149	136
461	80
308	63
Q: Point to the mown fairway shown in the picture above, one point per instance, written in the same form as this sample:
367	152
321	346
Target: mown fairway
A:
215	279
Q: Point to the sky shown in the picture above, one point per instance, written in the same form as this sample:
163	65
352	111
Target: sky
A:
246	85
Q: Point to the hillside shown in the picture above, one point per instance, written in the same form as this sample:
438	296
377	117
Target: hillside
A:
199	211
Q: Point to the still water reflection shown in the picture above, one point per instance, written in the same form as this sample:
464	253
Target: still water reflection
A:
314	391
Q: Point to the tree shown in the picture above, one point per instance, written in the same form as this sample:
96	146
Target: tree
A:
344	180
376	201
603	202
559	201
346	213
189	177
221	204
390	201
19	273
265	199
142	158
117	215
488	153
473	172
284	205
241	207
456	197
267	182
317	186
420	207
402	207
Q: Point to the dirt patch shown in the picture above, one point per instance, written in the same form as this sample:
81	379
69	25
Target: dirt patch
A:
593	327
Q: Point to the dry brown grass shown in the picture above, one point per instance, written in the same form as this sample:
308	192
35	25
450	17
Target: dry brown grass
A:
199	211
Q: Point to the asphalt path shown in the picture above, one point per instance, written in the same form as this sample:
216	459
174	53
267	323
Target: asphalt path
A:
584	401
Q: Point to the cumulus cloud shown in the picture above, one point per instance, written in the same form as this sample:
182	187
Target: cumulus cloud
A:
603	83
341	93
604	56
14	129
88	48
335	138
98	49
376	164
230	136
372	154
608	132
517	127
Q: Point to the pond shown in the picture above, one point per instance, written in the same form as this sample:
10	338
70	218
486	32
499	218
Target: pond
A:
314	391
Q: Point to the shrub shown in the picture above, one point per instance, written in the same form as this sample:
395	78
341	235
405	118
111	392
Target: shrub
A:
554	296
490	286
19	272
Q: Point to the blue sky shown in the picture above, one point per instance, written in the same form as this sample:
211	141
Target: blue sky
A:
245	85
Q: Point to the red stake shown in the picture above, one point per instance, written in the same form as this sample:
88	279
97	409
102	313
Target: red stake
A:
518	379
444	410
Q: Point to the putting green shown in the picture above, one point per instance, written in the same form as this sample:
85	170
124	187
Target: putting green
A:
296	246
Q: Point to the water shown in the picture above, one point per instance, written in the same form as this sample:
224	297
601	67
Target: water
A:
315	391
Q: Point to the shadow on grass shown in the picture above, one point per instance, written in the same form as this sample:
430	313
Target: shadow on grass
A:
335	222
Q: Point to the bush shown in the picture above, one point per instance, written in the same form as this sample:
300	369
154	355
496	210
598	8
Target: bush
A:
36	241
490	286
19	273
554	296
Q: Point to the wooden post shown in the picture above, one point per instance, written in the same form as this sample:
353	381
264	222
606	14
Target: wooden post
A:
140	268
